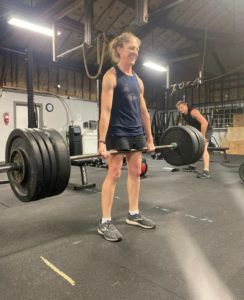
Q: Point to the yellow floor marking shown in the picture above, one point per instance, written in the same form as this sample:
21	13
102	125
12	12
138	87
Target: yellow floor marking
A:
59	272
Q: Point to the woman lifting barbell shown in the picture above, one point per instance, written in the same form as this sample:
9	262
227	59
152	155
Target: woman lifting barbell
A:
124	118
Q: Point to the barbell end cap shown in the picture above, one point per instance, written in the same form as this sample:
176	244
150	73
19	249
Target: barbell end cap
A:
174	146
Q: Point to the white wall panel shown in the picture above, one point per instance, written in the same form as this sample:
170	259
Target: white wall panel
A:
65	112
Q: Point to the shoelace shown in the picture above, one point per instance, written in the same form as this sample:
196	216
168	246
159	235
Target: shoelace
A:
108	223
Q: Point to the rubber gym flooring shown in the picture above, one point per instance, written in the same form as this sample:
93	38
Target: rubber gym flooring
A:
50	249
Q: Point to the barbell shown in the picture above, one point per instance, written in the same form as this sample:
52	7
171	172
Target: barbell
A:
38	164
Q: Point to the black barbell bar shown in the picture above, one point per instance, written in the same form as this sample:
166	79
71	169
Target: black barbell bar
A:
173	146
17	167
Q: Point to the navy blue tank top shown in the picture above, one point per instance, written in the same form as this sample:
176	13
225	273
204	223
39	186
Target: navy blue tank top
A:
191	121
125	117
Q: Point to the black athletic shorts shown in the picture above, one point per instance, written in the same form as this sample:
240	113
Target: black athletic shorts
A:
126	143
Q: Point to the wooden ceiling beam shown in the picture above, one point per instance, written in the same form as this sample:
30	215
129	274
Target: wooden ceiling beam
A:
61	9
52	9
71	25
196	32
68	9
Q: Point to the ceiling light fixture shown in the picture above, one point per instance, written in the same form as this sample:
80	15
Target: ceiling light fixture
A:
155	66
31	26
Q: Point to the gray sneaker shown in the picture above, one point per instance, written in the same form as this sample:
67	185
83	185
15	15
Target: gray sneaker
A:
204	174
109	231
140	220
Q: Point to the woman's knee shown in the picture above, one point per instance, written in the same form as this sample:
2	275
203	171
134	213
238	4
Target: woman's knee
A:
114	168
134	171
114	174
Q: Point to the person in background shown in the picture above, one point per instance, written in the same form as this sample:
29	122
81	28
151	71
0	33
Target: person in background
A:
124	125
194	118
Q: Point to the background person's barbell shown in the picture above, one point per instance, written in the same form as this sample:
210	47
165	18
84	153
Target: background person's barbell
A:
38	161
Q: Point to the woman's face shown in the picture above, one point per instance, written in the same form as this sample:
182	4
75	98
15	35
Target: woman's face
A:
129	52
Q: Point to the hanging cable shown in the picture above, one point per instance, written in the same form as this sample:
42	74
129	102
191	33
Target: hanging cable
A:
100	60
201	72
